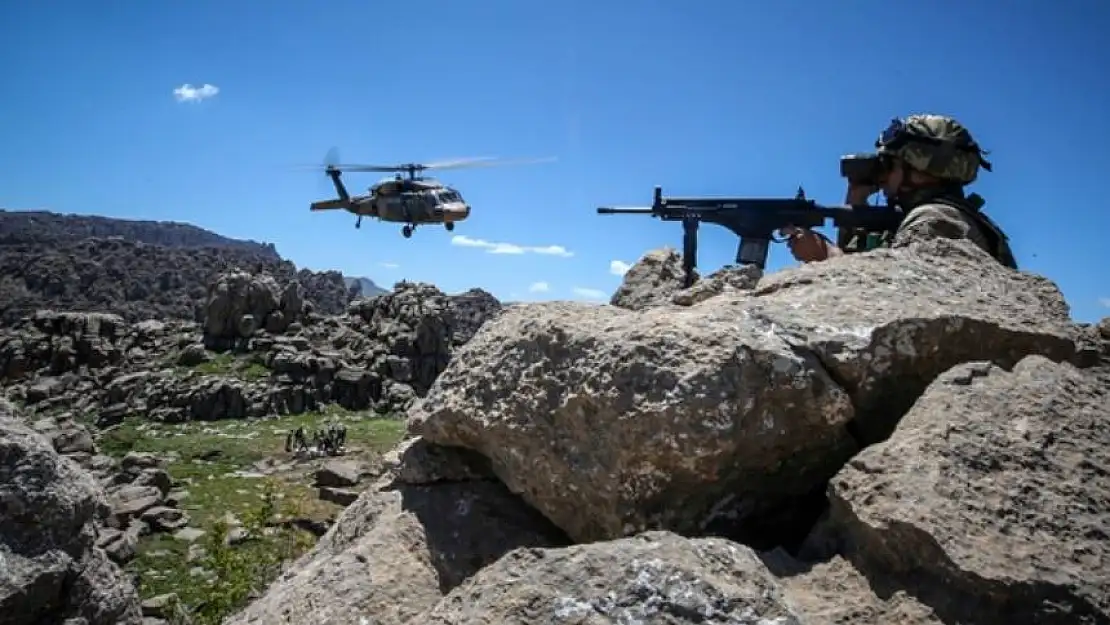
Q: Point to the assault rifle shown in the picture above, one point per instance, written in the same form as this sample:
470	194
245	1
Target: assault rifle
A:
755	220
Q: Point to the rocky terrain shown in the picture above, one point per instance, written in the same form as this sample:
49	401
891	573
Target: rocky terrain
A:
104	370
914	435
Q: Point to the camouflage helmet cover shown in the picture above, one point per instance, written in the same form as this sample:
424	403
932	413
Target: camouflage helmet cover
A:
935	144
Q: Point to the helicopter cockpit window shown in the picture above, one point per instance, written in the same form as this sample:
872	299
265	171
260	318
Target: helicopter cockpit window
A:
449	196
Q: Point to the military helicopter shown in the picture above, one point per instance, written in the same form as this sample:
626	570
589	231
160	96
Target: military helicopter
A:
413	200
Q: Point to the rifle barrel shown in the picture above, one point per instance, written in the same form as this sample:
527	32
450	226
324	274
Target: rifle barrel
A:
607	210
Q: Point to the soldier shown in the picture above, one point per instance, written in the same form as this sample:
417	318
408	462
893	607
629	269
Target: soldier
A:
922	165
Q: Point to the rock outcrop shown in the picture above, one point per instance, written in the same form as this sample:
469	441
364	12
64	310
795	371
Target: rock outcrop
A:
652	281
240	304
728	415
471	310
50	513
657	280
904	436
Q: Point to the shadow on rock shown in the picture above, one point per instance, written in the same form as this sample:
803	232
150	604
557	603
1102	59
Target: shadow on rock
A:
401	546
458	518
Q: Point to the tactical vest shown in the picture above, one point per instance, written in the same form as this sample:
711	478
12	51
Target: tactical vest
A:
852	240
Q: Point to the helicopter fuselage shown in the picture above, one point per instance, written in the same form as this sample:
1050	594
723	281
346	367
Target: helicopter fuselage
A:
412	201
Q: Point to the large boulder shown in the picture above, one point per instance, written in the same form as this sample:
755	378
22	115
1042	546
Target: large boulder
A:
656	577
729	414
51	570
990	499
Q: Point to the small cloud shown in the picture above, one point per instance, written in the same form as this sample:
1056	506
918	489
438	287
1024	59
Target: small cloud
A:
551	250
389	265
493	247
618	267
189	93
539	287
1104	302
590	294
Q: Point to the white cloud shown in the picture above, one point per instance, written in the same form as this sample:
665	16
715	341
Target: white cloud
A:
1104	302
493	247
539	287
618	267
590	294
389	265
189	93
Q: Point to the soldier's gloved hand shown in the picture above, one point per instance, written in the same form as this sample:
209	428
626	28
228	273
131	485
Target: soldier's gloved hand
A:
808	246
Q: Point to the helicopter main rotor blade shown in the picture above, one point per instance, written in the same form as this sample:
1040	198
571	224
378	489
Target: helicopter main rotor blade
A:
449	164
357	167
458	163
486	162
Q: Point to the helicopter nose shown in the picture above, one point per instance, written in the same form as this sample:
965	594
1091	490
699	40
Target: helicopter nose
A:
458	210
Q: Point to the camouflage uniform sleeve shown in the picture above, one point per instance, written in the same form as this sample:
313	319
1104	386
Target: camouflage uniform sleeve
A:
939	221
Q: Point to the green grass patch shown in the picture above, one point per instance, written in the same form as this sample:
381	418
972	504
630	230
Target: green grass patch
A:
236	468
242	366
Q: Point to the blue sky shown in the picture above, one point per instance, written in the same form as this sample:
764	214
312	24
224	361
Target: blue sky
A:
702	98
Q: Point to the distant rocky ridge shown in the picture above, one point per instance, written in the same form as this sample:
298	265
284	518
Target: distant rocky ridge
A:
45	226
367	287
137	269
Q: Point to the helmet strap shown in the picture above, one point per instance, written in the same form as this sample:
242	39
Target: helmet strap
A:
909	196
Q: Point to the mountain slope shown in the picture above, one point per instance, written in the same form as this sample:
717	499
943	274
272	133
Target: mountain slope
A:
368	288
45	226
138	269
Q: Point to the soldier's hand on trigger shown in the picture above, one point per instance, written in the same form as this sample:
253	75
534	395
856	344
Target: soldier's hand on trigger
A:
807	245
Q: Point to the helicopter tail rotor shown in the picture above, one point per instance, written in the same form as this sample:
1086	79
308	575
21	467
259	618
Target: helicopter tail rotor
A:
331	158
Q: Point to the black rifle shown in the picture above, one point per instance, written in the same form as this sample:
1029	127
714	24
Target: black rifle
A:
755	220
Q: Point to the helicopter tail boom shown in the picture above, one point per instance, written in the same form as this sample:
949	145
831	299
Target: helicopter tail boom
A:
328	205
340	189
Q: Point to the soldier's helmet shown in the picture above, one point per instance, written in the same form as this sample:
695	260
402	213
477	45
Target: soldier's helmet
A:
935	144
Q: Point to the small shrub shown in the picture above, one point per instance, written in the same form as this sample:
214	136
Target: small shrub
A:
239	571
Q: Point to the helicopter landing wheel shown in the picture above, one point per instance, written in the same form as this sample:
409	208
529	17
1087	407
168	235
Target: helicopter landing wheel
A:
406	232
449	225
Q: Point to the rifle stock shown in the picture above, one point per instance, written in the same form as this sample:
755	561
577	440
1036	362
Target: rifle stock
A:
755	220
